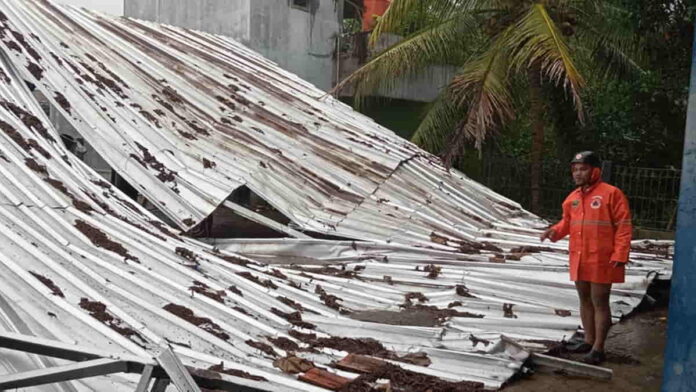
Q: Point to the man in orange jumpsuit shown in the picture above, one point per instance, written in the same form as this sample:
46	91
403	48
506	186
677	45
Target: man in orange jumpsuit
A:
597	217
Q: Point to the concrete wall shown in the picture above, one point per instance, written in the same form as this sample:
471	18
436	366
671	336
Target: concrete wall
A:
113	7
423	87
301	40
226	17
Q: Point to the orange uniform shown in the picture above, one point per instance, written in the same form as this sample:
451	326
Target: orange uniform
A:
599	223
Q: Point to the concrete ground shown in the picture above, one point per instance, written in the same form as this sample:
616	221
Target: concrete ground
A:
635	353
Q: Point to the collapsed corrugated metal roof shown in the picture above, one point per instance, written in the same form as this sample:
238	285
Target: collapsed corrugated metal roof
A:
188	117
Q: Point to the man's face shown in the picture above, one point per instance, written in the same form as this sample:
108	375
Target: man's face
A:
582	173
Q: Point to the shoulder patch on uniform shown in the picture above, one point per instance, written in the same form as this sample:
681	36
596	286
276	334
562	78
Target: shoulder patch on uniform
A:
576	203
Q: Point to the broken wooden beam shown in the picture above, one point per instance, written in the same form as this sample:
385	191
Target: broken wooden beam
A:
324	379
359	364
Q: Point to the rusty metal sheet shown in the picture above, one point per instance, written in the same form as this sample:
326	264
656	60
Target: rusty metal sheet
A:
80	263
188	117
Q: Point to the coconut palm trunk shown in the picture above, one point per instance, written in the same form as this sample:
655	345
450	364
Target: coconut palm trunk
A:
536	114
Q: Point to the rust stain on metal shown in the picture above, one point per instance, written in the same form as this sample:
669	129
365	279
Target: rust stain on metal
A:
35	70
35	166
62	101
49	283
30	120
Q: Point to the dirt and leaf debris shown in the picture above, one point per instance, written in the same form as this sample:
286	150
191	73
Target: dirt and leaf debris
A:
204	289
263	347
295	318
98	310
463	291
290	303
236	373
235	290
204	323
101	240
265	283
408	381
330	300
284	343
432	270
361	346
507	311
186	254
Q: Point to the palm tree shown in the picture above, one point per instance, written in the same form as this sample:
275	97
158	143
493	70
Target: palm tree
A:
497	46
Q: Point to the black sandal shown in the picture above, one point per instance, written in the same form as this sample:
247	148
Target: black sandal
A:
579	348
594	357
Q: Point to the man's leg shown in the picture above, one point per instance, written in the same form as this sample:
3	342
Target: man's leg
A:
587	310
602	314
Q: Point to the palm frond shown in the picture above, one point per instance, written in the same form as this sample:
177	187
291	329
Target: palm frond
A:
483	86
439	44
537	43
617	58
613	47
410	15
439	122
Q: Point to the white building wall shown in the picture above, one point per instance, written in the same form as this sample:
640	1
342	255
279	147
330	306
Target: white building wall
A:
301	40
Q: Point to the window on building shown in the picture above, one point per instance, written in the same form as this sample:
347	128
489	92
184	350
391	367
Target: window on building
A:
301	4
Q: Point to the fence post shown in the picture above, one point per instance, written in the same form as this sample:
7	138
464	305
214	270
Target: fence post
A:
679	373
607	167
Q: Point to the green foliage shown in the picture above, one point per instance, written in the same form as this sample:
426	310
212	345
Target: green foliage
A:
639	121
495	43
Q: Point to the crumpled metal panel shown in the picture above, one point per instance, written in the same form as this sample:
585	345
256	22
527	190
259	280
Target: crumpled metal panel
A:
82	264
188	117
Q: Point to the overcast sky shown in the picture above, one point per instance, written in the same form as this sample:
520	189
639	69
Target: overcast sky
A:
114	7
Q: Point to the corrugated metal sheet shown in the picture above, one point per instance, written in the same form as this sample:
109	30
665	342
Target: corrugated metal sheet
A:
81	264
188	117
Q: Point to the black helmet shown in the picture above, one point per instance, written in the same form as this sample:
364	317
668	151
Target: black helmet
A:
588	157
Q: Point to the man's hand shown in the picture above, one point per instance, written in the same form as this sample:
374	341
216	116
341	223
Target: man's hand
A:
548	234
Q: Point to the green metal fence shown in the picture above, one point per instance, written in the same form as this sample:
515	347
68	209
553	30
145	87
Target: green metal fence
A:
653	193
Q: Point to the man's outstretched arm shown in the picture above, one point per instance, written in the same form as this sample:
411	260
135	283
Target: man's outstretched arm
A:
560	229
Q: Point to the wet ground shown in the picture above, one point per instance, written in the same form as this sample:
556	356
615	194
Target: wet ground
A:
635	353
